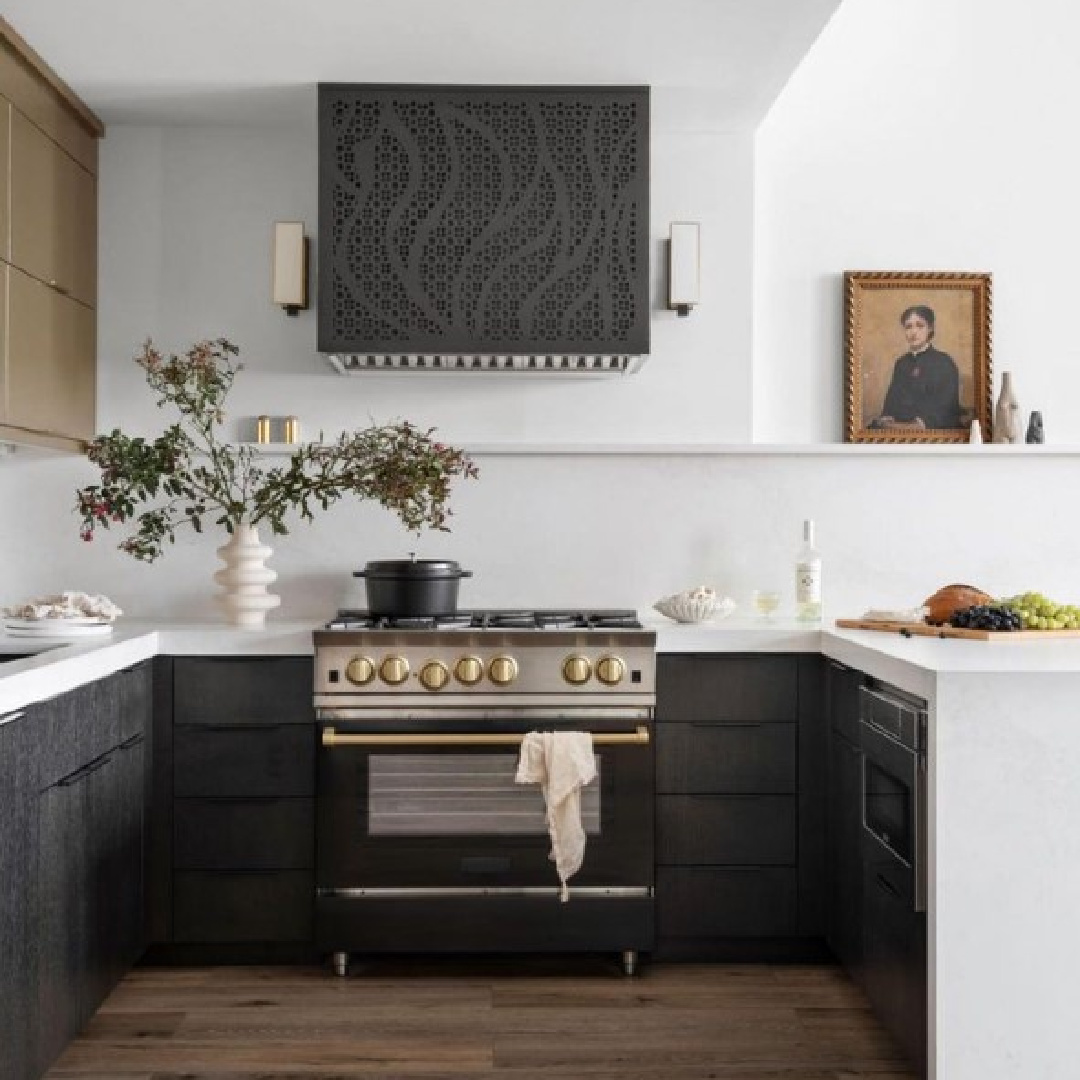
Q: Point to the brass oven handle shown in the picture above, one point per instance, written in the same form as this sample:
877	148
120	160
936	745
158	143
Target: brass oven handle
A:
330	737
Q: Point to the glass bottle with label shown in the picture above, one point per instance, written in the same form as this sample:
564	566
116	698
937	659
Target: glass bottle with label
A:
808	577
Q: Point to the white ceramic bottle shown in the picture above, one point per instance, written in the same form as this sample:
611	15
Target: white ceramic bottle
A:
808	577
1007	413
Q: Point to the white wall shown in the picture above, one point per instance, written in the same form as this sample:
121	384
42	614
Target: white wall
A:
619	531
186	222
921	135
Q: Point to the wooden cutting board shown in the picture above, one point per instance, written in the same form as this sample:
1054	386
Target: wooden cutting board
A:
922	630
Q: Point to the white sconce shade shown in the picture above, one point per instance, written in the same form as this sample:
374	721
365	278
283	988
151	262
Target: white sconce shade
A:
290	266
684	266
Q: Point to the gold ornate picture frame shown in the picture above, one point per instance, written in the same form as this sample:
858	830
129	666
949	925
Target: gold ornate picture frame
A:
917	356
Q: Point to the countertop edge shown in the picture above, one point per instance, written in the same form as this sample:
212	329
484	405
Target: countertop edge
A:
914	664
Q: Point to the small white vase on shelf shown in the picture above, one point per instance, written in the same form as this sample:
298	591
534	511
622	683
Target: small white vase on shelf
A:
1007	413
245	597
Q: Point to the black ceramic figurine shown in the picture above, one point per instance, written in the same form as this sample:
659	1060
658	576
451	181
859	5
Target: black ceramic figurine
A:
1035	428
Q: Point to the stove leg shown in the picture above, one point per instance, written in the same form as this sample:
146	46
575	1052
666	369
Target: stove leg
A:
341	964
629	961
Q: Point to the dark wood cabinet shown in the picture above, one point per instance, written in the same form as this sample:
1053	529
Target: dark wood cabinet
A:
739	760
844	817
18	908
241	806
229	691
86	854
872	927
843	862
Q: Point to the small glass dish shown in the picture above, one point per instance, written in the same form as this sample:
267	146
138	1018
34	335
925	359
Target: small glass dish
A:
766	602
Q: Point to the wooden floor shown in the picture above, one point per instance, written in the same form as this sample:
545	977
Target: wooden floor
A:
496	1020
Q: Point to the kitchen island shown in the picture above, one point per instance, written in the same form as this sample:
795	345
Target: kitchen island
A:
1003	762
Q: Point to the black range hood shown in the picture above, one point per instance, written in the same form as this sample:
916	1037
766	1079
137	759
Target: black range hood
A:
483	229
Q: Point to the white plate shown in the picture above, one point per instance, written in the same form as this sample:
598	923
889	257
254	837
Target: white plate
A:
72	620
56	628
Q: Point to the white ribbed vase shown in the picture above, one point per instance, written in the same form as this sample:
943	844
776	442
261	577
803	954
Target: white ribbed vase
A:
244	595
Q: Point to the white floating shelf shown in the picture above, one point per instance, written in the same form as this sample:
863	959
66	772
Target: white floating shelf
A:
985	450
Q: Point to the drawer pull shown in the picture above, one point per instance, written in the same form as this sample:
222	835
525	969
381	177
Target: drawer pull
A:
80	775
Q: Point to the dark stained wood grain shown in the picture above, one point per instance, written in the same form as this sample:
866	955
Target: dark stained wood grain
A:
514	1019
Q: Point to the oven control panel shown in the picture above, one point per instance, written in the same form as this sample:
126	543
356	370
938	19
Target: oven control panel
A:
574	668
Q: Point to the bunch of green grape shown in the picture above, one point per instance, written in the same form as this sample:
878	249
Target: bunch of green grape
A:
1041	613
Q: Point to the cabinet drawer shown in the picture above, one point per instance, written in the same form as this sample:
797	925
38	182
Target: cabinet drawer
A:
51	349
243	691
749	830
235	907
53	213
244	762
244	834
712	902
727	759
727	690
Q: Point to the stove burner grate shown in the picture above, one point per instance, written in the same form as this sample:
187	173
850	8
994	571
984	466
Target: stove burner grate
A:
523	619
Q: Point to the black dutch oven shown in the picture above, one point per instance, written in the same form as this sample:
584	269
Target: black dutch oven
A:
401	588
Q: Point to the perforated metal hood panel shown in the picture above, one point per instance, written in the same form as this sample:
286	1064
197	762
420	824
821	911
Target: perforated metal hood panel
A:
483	220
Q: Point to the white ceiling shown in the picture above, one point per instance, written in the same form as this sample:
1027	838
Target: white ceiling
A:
257	61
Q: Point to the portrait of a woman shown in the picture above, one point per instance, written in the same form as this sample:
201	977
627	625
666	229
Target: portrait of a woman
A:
917	355
924	392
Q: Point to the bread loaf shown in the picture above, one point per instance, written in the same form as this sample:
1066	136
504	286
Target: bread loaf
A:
952	598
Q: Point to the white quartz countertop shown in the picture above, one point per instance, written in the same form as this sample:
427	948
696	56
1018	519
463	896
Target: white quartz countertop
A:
915	663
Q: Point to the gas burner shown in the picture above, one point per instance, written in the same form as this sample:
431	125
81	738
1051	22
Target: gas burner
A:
560	620
506	620
351	620
608	620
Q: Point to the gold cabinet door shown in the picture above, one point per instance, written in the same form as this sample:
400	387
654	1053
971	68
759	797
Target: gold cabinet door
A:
5	177
50	358
53	208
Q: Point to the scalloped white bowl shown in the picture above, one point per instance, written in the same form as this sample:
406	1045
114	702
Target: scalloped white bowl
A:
686	609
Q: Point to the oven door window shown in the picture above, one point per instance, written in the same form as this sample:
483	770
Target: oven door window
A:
465	794
887	809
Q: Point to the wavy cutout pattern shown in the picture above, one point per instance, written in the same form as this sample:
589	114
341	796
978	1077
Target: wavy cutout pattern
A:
483	220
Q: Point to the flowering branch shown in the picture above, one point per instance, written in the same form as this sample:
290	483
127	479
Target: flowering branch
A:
396	465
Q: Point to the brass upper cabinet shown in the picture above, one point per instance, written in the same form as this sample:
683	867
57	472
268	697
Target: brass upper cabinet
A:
53	213
48	246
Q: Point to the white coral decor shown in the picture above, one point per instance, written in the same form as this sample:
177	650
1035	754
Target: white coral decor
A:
66	605
695	605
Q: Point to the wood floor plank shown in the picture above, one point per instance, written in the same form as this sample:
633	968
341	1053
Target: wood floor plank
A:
496	1019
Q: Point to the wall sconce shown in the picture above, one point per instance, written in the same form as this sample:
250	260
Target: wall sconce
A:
290	261
684	266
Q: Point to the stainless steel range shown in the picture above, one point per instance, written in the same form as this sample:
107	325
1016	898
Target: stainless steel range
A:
425	843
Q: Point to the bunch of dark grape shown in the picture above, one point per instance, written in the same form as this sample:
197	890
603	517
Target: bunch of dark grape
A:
987	617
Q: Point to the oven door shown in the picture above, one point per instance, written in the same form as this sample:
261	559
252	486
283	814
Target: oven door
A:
440	810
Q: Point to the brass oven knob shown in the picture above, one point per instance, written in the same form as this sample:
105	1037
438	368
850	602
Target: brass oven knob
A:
469	670
360	671
576	670
434	675
503	670
394	670
610	670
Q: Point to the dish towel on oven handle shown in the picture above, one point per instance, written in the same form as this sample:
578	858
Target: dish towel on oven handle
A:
562	763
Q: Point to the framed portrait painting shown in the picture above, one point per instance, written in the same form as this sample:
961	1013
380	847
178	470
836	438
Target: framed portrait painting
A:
917	356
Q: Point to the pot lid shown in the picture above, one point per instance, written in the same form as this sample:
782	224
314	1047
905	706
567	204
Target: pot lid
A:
413	568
